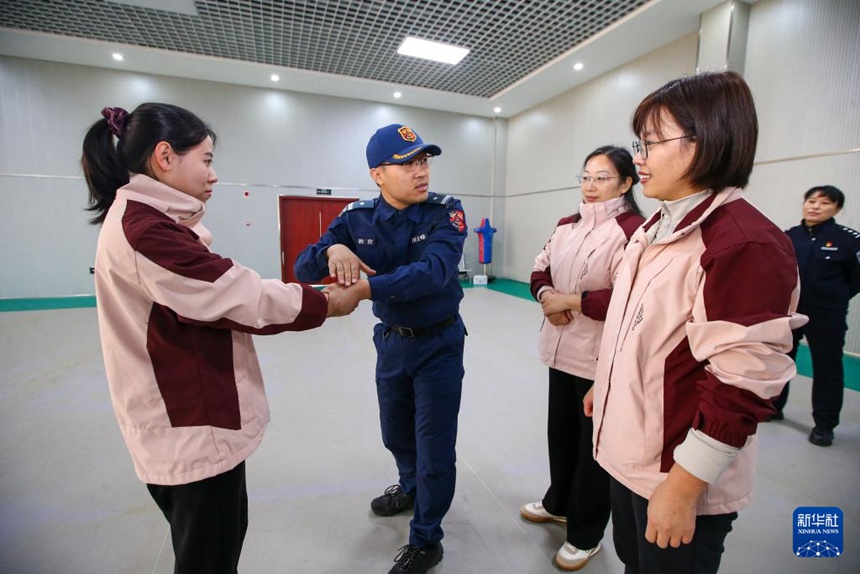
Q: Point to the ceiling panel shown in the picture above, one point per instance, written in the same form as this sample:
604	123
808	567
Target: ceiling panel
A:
508	39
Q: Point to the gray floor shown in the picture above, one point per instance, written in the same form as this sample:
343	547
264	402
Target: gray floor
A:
70	502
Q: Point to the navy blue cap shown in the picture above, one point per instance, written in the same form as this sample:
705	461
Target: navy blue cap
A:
396	143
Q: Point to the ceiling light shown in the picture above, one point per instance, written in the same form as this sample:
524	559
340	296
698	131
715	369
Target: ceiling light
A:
497	110
275	77
577	66
397	94
435	51
117	56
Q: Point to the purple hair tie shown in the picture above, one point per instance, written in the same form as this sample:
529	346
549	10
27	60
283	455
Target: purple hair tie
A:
116	119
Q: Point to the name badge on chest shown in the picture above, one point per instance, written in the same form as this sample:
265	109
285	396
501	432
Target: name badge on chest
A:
419	238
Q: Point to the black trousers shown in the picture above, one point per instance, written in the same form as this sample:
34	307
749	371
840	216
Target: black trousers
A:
825	334
629	520
579	487
208	520
419	384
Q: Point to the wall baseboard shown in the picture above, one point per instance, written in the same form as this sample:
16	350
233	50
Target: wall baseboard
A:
46	303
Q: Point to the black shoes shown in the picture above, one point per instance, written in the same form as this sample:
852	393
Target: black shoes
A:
410	559
413	560
821	437
393	501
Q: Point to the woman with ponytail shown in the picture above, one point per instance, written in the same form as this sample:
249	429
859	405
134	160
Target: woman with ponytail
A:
176	322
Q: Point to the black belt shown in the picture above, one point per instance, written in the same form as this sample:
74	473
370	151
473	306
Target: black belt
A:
410	332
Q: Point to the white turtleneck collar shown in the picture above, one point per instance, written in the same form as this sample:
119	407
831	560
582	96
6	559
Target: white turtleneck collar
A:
672	212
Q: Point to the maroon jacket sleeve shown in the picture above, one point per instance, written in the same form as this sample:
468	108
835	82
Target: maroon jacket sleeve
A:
542	273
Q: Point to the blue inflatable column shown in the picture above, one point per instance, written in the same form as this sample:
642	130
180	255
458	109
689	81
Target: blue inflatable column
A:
485	243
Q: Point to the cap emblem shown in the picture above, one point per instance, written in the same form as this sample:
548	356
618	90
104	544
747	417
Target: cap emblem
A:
407	134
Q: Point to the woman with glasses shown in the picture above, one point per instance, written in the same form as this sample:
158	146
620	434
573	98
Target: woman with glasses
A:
696	335
572	280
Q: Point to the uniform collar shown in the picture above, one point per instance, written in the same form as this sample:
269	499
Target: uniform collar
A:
386	211
819	226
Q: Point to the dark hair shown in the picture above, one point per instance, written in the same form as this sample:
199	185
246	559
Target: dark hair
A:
832	193
107	166
623	162
717	110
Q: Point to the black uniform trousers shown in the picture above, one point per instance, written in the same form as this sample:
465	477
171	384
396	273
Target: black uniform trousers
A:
629	521
825	334
579	487
208	520
419	383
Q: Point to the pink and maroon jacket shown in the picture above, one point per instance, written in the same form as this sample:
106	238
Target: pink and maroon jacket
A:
176	322
696	337
582	256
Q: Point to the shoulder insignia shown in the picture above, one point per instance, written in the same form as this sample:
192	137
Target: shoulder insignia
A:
446	200
457	220
361	204
850	231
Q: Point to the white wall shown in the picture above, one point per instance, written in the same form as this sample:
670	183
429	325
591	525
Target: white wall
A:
547	145
270	142
801	64
803	67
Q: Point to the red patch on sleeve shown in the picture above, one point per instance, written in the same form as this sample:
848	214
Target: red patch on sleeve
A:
457	219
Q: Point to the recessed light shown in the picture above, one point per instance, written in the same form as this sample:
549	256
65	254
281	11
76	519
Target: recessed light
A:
577	66
275	77
436	51
397	95
497	110
117	56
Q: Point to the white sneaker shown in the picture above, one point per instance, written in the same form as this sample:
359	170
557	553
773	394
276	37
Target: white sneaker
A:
569	557
535	512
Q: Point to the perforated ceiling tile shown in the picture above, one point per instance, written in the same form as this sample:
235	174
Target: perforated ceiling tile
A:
508	39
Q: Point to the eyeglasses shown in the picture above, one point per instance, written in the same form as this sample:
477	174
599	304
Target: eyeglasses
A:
599	180
641	146
413	164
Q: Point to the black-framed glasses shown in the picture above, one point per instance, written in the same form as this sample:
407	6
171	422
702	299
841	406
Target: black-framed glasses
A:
413	164
641	146
597	180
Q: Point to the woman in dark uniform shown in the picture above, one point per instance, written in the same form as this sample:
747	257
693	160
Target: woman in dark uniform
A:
828	257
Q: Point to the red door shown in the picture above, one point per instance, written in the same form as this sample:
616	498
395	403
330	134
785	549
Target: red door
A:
303	221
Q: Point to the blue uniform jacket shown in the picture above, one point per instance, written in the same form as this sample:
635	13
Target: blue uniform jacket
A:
828	259
415	252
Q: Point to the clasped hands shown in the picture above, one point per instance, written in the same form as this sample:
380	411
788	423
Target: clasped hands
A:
558	307
345	295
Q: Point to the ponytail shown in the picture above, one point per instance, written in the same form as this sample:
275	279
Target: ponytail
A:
102	168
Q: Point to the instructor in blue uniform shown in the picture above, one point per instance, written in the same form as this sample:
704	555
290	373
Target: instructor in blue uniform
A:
408	242
828	258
